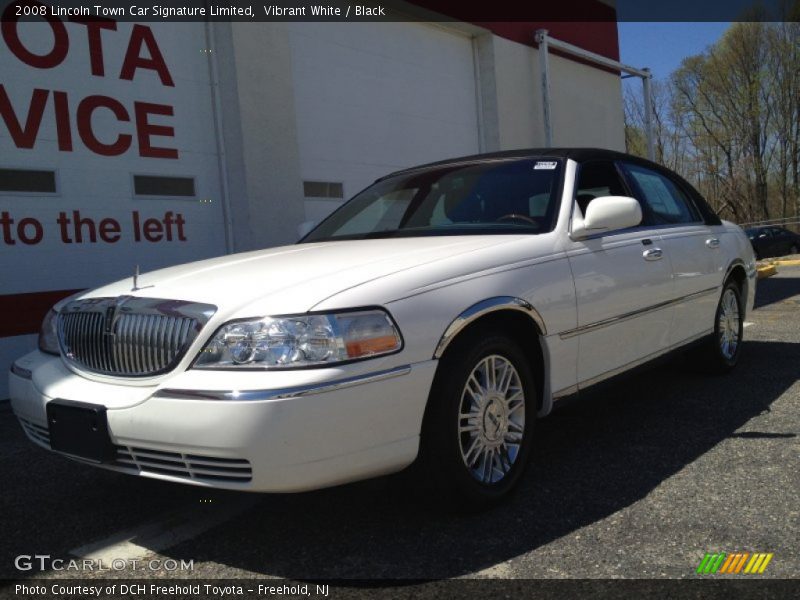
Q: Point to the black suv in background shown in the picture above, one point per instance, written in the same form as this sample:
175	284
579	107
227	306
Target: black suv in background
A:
773	241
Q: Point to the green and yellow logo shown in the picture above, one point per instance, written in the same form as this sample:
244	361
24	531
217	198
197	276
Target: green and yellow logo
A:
735	562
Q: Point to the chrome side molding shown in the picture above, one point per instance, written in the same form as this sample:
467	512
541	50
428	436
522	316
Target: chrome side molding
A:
283	393
573	389
564	335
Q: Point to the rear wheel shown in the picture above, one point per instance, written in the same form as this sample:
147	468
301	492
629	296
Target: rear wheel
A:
476	437
721	353
793	249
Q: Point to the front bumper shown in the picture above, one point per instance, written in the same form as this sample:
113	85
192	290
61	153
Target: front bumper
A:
271	434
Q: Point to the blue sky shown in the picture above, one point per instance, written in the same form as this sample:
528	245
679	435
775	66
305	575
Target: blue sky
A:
662	46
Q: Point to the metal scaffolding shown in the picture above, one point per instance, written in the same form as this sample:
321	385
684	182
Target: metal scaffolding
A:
546	42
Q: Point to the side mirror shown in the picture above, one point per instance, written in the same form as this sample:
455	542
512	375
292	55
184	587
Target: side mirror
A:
607	213
305	228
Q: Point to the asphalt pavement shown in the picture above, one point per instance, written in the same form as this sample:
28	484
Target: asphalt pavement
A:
640	481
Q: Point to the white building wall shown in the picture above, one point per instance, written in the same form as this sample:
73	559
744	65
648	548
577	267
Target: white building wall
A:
260	133
586	102
98	186
518	95
586	105
372	98
102	186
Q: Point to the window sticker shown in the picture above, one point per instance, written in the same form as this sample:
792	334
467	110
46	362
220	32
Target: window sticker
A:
546	165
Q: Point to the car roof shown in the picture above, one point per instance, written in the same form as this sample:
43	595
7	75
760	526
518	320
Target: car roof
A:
576	154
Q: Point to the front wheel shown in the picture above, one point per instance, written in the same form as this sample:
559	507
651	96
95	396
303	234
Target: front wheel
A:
476	437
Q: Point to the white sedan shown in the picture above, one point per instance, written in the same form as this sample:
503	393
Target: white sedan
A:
434	317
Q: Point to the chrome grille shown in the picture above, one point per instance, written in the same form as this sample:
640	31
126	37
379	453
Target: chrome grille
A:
129	336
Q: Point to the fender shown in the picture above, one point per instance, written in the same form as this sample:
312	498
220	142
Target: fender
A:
490	305
749	283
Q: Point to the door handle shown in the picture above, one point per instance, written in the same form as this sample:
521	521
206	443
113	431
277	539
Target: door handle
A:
712	243
653	254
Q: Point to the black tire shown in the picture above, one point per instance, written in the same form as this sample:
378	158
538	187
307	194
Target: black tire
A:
455	485
715	356
793	249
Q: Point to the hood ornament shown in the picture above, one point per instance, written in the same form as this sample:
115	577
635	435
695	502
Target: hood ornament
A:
136	287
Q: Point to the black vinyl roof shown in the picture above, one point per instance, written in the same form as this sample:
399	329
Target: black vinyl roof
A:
576	154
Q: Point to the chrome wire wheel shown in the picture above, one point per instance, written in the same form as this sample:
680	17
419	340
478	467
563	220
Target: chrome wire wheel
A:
728	324
491	419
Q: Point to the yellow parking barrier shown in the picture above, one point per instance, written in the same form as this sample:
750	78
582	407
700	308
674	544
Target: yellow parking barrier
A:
765	271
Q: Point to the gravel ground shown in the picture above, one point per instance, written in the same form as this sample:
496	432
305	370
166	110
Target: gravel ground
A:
637	482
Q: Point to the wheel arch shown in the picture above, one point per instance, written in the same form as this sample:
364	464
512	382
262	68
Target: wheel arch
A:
518	318
737	272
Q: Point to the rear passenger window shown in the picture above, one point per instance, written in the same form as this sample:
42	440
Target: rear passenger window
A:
667	203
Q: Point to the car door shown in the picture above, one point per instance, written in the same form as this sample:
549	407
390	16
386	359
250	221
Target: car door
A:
691	246
784	240
769	244
622	283
772	244
794	242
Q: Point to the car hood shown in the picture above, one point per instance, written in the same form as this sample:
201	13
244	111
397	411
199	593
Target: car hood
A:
293	279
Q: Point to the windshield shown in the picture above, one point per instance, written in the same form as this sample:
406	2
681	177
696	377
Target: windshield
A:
501	197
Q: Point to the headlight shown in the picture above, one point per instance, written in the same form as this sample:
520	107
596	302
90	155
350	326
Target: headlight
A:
301	341
48	334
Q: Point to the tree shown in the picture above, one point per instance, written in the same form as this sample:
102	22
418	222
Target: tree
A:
729	120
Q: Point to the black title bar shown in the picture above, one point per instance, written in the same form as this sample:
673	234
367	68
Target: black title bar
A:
397	10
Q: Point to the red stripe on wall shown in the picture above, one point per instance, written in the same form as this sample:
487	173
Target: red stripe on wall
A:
588	24
23	313
600	37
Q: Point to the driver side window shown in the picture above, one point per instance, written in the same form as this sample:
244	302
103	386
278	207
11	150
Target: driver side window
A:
596	179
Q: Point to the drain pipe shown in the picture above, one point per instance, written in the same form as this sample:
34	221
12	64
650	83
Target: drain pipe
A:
213	69
544	69
545	42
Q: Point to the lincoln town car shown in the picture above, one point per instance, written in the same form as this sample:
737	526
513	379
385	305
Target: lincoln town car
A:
429	321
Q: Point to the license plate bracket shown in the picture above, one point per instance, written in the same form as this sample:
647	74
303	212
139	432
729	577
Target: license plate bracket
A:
80	429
